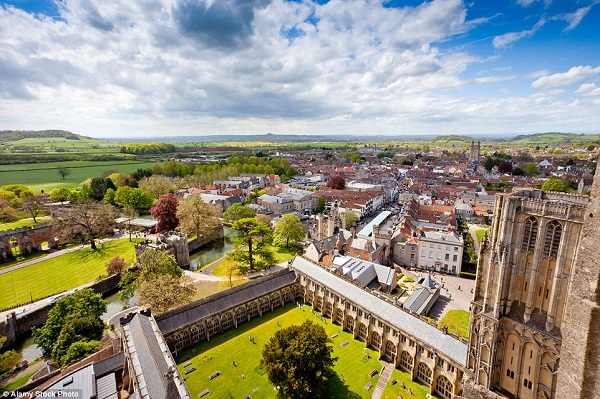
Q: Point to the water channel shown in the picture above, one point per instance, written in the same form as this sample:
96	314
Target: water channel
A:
30	351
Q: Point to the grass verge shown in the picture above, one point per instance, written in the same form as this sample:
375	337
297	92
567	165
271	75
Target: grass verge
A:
457	322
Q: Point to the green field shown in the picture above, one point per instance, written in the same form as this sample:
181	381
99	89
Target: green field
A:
457	322
245	377
44	176
60	274
23	222
50	143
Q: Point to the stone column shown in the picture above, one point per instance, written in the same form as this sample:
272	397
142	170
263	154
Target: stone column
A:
558	271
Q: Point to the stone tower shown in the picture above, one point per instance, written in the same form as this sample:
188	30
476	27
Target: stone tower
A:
579	372
475	151
524	277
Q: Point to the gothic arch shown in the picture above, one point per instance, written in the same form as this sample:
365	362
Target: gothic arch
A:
444	387
424	374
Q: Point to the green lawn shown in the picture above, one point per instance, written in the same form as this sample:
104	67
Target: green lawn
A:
392	391
60	274
18	383
479	233
281	254
38	176
23	223
457	322
246	378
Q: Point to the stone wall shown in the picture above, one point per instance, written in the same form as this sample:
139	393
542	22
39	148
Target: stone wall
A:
208	239
28	239
473	391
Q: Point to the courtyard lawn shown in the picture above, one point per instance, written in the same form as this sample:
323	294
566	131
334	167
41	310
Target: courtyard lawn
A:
60	274
395	391
206	288
457	322
237	359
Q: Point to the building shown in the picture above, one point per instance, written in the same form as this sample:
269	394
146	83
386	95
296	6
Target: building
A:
440	251
525	275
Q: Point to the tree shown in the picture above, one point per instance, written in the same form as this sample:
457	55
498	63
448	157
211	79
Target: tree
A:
8	359
263	219
554	184
321	204
87	220
350	218
98	187
518	172
137	198
74	318
166	291
165	212
505	167
19	190
151	265
130	213
289	228
34	205
7	212
157	185
337	182
298	360
60	194
251	248
115	265
531	168
63	171
198	218
238	211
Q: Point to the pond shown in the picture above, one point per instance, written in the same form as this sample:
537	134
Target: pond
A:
210	254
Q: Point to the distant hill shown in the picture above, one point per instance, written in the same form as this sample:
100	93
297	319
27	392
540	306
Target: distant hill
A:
552	138
452	139
15	135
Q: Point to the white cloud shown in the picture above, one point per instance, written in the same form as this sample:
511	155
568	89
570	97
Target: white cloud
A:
588	89
573	19
573	75
507	39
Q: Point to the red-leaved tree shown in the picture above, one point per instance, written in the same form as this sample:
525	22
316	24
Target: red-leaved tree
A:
165	212
336	182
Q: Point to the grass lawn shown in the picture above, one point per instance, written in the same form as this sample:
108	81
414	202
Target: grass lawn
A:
457	322
392	391
18	383
60	274
281	254
206	288
23	223
479	233
247	378
38	176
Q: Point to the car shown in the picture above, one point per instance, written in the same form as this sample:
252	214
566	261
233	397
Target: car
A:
54	298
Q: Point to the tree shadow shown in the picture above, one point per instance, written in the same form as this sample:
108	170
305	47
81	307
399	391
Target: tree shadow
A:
100	252
336	388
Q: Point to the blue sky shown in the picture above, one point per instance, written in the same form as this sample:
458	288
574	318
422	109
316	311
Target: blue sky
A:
201	67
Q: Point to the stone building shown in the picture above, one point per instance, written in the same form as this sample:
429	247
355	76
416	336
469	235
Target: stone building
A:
524	278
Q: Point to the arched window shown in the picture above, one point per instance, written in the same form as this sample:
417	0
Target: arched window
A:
362	331
406	361
553	233
444	387
390	350
375	340
339	316
328	309
530	234
350	324
424	374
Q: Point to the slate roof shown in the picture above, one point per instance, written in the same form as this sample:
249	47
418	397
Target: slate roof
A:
215	304
436	339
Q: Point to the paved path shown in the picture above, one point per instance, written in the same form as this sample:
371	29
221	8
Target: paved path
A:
384	377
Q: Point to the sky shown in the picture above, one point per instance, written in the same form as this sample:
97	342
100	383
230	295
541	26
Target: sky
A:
142	68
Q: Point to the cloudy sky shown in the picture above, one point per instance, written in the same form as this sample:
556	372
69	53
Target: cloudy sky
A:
126	68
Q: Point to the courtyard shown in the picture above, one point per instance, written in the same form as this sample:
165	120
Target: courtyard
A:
227	366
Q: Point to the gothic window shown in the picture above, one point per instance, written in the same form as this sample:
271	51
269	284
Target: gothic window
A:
390	350
362	331
553	233
424	374
375	340
406	361
529	237
444	387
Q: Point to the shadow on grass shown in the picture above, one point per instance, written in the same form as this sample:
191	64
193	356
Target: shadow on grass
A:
102	250
337	388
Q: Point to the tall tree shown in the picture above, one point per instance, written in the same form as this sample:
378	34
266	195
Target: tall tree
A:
60	194
251	249
238	211
165	212
198	218
8	359
130	213
151	264
137	198
554	184
166	291
87	220
298	360
34	205
289	228
98	187
74	318
63	171
321	205
157	185
337	182
350	218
